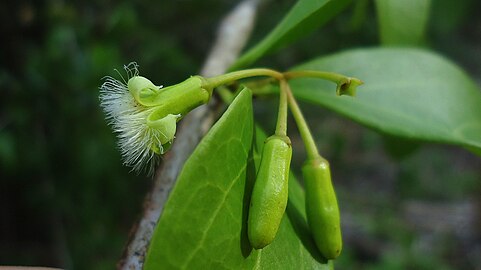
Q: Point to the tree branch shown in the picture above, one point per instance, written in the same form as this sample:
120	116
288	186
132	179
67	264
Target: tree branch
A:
232	36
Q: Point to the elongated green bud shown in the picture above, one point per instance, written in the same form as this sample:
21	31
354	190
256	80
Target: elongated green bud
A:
269	196
321	207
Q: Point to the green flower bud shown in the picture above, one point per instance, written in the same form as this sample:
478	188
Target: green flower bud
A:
348	87
165	131
269	196
142	88
321	207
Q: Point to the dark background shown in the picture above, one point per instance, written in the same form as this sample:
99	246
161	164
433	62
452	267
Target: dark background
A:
67	201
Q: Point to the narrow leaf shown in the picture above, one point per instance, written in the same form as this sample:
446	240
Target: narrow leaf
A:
304	17
410	93
403	22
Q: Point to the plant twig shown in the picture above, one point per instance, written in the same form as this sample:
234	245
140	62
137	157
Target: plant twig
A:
232	36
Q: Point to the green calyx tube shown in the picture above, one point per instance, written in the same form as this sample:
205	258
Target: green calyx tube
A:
321	207
164	107
269	196
177	99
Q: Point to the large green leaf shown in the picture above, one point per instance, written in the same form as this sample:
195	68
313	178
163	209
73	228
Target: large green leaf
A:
402	22
410	93
203	225
304	17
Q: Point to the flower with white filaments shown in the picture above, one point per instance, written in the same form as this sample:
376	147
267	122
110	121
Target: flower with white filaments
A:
128	118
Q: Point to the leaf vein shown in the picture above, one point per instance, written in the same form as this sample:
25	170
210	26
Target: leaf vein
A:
214	215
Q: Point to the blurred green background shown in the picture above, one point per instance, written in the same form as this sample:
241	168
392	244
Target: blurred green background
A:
67	201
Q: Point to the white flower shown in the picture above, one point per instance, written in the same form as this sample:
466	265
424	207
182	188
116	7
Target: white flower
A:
139	142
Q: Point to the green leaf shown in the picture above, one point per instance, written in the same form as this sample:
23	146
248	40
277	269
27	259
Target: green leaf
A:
304	17
410	93
403	22
203	225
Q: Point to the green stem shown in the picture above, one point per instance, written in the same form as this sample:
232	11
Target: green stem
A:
306	135
225	94
330	76
241	74
281	127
